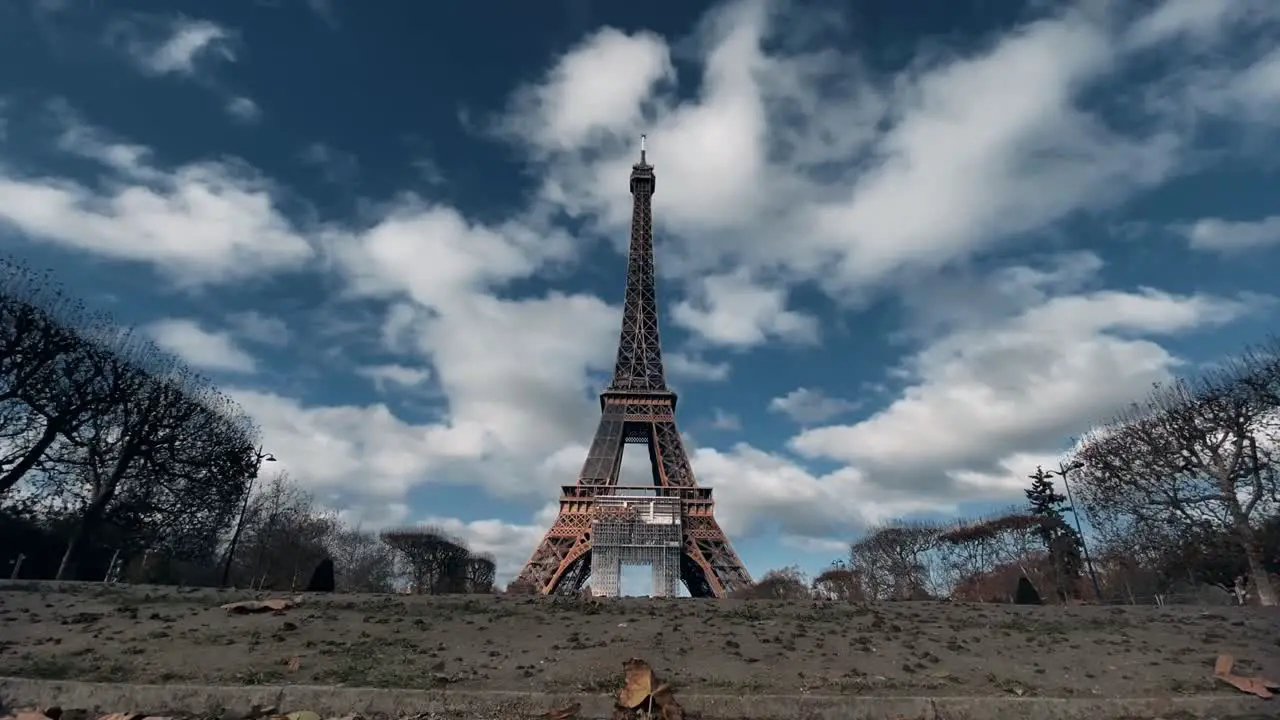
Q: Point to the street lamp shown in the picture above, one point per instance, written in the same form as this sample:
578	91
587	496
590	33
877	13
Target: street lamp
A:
1063	471
258	458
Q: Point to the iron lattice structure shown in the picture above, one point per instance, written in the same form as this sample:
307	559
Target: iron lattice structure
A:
636	530
590	536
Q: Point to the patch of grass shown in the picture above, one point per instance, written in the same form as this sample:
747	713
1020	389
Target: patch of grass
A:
42	668
114	671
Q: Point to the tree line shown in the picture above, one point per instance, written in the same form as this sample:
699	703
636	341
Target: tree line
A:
105	441
1181	491
119	461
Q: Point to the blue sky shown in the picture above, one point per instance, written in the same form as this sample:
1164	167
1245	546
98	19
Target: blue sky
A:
904	257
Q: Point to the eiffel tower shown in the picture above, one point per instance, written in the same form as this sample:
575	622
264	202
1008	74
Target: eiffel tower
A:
637	407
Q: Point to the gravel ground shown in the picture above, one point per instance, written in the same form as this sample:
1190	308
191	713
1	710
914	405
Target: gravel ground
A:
145	634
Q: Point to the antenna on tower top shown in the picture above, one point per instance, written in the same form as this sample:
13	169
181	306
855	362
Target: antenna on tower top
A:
642	139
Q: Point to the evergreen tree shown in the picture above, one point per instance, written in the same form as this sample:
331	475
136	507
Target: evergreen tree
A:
1060	539
1044	498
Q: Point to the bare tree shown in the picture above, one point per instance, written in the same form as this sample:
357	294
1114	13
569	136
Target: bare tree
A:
105	440
161	444
437	561
782	584
481	571
1195	455
284	536
48	373
984	558
895	561
840	582
362	563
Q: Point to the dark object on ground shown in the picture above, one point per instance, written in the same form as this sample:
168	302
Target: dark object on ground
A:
322	578
1026	594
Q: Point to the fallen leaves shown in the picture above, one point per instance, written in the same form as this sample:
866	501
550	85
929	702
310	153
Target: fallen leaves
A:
638	683
641	691
1253	685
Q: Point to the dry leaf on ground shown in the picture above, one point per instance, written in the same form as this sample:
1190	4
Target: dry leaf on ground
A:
665	699
1261	687
641	686
638	683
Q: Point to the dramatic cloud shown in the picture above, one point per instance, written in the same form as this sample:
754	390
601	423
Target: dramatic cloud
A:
205	222
1025	382
996	140
797	186
200	348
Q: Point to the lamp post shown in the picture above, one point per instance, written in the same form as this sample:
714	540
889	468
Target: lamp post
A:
1063	471
258	458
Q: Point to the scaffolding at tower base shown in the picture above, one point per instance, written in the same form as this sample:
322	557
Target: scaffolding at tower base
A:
636	530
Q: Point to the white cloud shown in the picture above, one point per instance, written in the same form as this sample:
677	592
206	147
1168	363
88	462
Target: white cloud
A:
384	376
1200	21
326	447
1256	91
200	348
807	406
244	110
514	374
1229	236
1024	382
177	46
465	258
732	310
200	223
757	491
596	88
690	367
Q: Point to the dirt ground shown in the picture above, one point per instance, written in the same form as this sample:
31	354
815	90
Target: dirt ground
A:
168	635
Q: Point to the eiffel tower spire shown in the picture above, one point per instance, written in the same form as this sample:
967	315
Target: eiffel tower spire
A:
599	527
639	364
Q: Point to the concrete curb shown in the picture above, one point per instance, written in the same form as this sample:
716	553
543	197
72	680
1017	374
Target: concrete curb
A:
477	705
